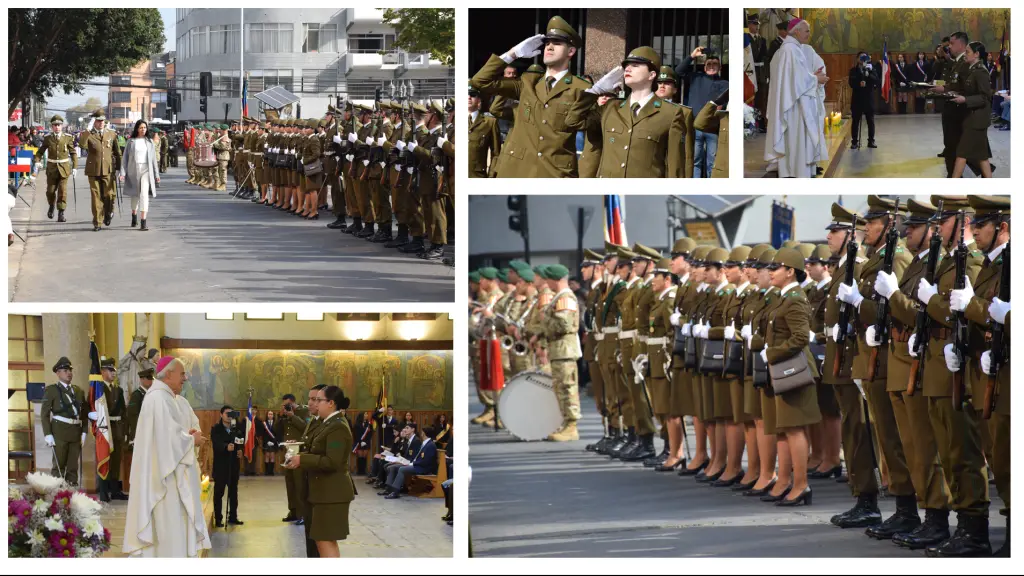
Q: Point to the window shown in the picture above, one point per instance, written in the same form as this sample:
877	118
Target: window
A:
270	38
226	84
120	97
260	80
370	43
319	38
24	365
320	81
225	39
199	40
119	112
157	97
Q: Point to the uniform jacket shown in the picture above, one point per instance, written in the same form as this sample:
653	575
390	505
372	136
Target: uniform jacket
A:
977	89
326	463
938	381
561	327
58	148
648	145
72	405
103	153
867	315
484	143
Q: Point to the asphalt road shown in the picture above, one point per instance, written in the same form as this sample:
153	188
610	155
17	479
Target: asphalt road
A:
544	499
205	246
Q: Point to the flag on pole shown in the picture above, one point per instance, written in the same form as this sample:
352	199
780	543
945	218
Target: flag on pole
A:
250	431
614	220
245	95
749	75
98	404
886	78
20	161
382	399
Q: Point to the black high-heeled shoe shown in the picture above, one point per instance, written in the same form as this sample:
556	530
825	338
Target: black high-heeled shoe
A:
664	468
694	471
804	498
708	479
769	498
313	217
723	483
745	487
835	471
758	493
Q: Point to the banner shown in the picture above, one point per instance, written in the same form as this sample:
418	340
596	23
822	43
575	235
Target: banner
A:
782	224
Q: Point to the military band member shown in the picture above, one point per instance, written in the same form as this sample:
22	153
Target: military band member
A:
550	109
188	142
484	140
490	293
61	164
222	151
61	414
526	298
561	330
103	159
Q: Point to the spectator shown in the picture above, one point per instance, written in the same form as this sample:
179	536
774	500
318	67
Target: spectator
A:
706	84
423	463
363	436
268	440
406	448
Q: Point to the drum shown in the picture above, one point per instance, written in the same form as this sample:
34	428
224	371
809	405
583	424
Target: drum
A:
528	407
204	157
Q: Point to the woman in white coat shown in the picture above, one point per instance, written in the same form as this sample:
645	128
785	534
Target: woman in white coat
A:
140	172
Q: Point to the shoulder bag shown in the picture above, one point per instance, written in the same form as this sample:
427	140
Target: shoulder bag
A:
791	374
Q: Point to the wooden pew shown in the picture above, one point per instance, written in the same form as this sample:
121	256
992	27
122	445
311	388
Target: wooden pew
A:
430	486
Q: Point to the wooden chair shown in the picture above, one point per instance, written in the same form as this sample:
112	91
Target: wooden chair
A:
430	486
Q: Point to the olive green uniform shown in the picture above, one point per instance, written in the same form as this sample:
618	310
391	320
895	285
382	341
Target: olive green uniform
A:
116	410
817	298
609	314
290	429
61	159
630	296
62	413
222	149
132	414
331	489
590	343
484	144
789	326
681	398
717	390
659	347
640	142
102	161
731	309
307	508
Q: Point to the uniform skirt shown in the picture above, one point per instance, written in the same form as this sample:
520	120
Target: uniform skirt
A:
681	393
707	397
974	145
739	415
767	410
828	405
751	399
330	522
660	395
797	408
722	400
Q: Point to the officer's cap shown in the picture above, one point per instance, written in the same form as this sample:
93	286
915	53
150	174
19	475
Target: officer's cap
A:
782	25
147	374
643	55
62	364
988	208
489	273
683	247
667	74
625	255
535	69
920	212
717	256
591	257
790	243
842	218
879	207
437	106
699	254
556	272
99	115
753	19
766	257
473	91
610	250
789	257
755	253
645	253
107	363
951	205
738	256
417	107
56	119
559	30
664	266
820	255
805	249
526	274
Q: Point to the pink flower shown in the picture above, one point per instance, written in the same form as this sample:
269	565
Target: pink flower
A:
106	536
21	511
61	545
73	531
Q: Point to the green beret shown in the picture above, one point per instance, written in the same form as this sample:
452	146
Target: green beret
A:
503	274
539	270
556	272
223	126
518	265
526	274
474	277
489	273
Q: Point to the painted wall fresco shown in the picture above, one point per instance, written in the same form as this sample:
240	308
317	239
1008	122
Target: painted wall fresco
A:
848	30
416	380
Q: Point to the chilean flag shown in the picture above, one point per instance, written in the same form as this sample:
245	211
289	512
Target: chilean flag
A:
245	95
98	404
749	75
614	220
250	432
886	71
19	161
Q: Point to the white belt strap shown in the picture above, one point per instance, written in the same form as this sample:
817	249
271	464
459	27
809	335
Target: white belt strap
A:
115	418
657	341
257	153
626	334
65	420
598	336
611	330
641	338
61	161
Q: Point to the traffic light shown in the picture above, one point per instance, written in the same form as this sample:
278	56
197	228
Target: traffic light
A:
174	101
206	84
168	113
376	94
202	106
517	220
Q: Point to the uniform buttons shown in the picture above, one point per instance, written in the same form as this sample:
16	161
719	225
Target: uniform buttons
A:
545	122
540	154
541	137
623	164
613	129
625	148
545	105
630	130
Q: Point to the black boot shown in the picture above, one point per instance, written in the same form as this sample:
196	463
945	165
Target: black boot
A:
143	226
596	445
871	144
863	514
361	467
49	212
1004	550
931	532
338	223
625	444
383	234
401	239
606	443
60	216
660	459
643	451
415	246
135	220
366	232
355	227
969	541
905	520
436	252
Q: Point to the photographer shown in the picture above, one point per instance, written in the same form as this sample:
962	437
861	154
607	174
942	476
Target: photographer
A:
702	71
228	440
290	429
864	79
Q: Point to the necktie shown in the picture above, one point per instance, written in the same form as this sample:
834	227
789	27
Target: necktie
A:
550	81
987	262
636	108
470	118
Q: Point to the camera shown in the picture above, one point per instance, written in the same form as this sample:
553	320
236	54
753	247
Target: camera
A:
234	415
700	59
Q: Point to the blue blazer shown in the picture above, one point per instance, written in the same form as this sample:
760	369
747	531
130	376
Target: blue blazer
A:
426	461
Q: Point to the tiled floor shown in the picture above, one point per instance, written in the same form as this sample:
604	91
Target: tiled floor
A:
406	528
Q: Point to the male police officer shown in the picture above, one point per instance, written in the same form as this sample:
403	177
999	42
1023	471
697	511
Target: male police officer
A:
61	413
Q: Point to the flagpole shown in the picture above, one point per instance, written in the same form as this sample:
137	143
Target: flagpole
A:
241	59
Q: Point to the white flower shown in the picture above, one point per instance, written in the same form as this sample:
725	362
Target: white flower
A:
84	507
36	538
92	528
54	524
13	493
84	552
43	483
40	505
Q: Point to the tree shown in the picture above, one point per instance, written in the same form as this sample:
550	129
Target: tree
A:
51	48
429	30
90	106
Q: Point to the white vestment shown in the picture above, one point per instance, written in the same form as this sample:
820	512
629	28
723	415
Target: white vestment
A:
165	515
815	62
794	130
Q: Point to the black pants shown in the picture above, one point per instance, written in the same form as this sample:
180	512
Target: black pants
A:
868	115
448	498
231	483
919	102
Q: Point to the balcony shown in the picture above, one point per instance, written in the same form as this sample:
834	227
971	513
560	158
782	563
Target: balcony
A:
417	62
355	16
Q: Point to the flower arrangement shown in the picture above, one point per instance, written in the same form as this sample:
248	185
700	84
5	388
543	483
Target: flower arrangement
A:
49	520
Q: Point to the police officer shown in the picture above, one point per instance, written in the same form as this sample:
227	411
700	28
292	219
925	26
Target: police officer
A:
61	414
561	329
290	428
111	487
146	376
61	164
101	166
484	141
228	440
312	424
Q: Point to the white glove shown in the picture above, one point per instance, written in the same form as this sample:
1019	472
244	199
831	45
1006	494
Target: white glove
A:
131	443
705	330
366	162
834	332
764	356
872	338
686	329
93	416
959	299
998	310
49	440
886	284
74	172
362	444
812	336
952	362
83	438
730	333
349	157
526	49
608	83
400	144
369	140
411	146
911	345
747	332
860	387
337	139
441	140
925	291
675	318
291	151
352	137
850	294
986	362
381	141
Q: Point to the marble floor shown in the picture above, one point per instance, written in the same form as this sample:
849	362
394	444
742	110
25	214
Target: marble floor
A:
406	528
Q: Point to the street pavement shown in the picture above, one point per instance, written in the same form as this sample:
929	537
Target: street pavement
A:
205	246
542	499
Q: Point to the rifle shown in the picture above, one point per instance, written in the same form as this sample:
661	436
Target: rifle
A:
844	309
991	393
923	320
959	320
892	238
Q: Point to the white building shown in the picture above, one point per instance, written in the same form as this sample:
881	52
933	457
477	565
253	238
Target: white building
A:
316	53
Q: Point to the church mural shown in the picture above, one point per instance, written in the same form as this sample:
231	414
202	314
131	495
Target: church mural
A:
849	30
416	380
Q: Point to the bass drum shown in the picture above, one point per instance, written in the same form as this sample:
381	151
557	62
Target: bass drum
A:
204	156
528	407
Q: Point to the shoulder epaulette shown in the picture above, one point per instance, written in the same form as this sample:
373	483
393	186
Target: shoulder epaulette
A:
588	82
976	253
488	115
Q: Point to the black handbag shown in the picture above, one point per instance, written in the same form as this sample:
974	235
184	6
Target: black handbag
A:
712	357
690	352
734	359
313	168
818	351
760	370
791	374
679	346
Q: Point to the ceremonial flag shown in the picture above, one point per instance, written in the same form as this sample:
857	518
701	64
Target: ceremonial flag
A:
749	75
614	220
245	95
382	399
886	79
250	431
98	404
20	161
